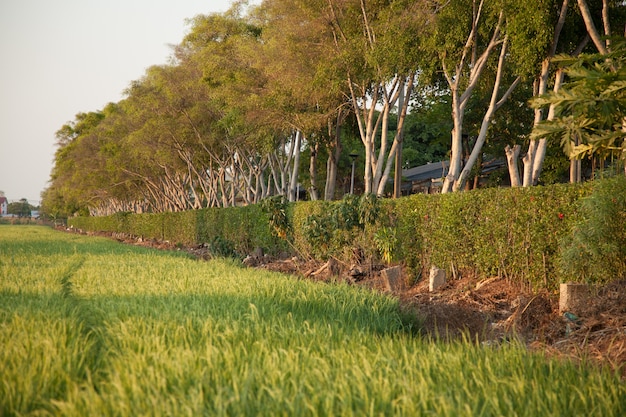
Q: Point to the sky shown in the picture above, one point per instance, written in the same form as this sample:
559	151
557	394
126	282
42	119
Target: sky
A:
62	57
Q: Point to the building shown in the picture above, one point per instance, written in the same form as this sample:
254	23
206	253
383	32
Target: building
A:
424	179
428	178
4	206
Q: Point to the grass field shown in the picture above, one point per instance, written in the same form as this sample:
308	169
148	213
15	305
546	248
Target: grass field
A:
92	327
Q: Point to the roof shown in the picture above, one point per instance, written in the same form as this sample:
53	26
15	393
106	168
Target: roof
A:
436	170
3	200
426	172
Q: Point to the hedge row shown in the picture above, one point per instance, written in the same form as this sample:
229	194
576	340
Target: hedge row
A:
232	231
515	233
519	233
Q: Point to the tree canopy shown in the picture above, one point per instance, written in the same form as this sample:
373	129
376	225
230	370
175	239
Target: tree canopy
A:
250	92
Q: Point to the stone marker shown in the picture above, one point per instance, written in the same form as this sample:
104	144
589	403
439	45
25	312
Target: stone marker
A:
573	296
257	253
437	278
392	278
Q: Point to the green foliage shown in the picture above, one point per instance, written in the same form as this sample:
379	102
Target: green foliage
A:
219	246
246	227
369	209
386	241
506	232
243	227
20	208
590	107
427	131
318	230
595	250
345	214
338	226
147	332
276	209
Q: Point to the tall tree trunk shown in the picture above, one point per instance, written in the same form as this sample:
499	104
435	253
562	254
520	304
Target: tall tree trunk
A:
591	27
533	160
540	154
334	153
403	83
461	77
368	122
313	171
512	156
397	177
378	163
293	183
456	162
494	105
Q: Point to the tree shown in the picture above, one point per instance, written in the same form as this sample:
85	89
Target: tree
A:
590	108
20	209
428	126
571	130
67	193
303	89
377	50
573	27
564	36
263	116
477	41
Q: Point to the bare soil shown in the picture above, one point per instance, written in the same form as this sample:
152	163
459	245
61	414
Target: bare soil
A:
489	311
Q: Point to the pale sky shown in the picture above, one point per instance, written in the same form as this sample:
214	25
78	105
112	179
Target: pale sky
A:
62	57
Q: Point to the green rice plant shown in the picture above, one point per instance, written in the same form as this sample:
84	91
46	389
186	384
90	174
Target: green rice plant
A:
141	332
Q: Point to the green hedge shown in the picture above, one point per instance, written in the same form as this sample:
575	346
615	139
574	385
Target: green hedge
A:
513	233
240	228
523	234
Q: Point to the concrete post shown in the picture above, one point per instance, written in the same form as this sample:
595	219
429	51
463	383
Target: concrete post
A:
437	278
573	296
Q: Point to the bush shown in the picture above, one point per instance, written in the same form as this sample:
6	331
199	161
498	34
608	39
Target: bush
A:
223	248
339	227
595	250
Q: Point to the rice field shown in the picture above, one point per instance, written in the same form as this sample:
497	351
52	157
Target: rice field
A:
89	326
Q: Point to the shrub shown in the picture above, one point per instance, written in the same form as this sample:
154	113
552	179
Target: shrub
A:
512	233
386	241
337	226
595	250
276	208
219	246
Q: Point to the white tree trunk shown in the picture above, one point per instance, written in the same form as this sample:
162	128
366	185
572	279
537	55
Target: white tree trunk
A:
405	88
368	123
280	162
456	151
459	100
591	27
533	160
494	105
293	184
378	163
313	171
397	177
512	156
